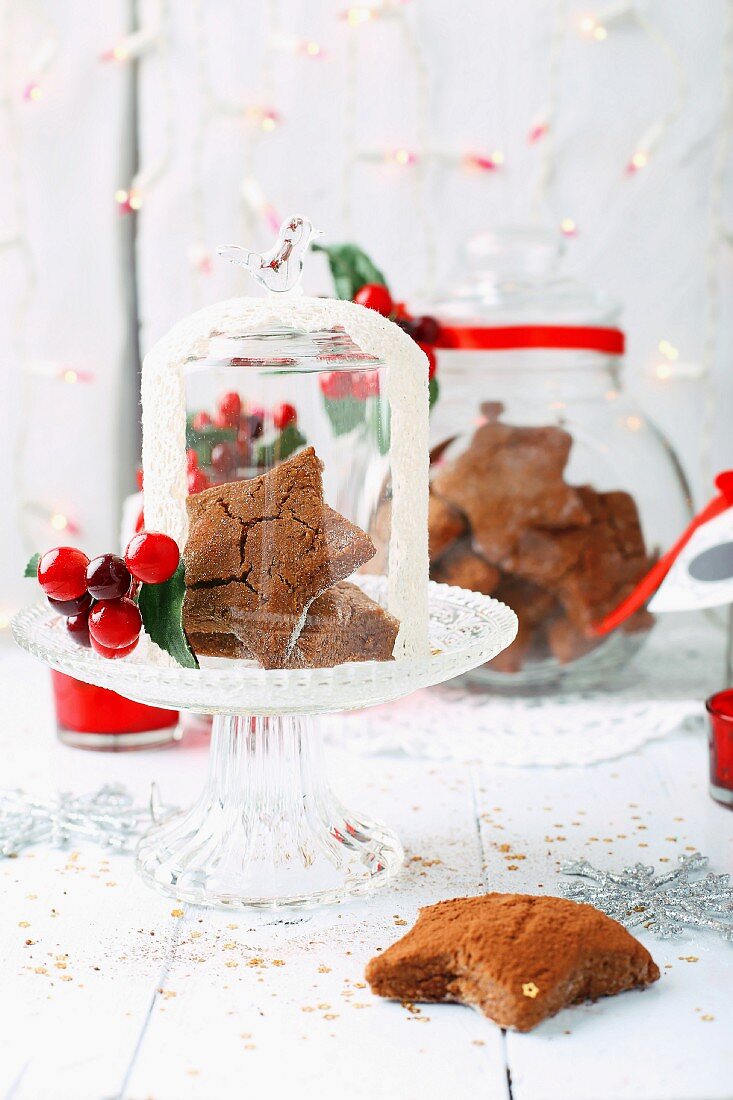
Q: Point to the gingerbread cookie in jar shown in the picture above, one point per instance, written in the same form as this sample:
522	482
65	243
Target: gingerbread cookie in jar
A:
550	489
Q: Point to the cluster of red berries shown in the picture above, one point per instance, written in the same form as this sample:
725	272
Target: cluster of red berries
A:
425	331
248	421
233	415
97	597
338	384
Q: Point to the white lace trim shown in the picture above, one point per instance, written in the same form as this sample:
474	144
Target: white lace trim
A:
164	429
660	692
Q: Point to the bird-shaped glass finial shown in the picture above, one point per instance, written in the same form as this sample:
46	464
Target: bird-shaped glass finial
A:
279	269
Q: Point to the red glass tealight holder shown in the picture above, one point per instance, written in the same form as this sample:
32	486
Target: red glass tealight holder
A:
90	717
720	710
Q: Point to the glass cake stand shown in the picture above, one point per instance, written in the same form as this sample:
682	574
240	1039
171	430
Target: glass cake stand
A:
267	831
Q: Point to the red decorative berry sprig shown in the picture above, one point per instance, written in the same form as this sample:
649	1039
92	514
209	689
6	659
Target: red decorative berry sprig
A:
99	598
424	330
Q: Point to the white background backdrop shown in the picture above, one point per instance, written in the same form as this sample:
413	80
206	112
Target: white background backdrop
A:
439	81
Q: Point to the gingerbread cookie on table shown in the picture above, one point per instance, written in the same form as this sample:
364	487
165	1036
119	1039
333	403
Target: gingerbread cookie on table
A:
515	957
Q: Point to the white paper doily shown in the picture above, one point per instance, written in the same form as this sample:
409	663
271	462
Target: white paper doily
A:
661	690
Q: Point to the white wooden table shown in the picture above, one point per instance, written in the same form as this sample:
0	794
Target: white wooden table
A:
109	990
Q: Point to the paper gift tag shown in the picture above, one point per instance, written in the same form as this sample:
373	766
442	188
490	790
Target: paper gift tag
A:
702	574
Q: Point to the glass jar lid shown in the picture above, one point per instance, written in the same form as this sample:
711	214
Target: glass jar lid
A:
511	292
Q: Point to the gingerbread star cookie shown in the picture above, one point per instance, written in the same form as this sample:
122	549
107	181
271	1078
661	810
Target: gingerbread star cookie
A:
259	552
509	480
342	625
515	957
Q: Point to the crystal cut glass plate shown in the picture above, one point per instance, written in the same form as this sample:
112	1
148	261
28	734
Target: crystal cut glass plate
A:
267	831
466	629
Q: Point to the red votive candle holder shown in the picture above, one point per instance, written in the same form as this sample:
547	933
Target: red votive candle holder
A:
720	710
90	717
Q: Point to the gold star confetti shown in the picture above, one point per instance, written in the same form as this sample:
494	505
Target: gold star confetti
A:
529	989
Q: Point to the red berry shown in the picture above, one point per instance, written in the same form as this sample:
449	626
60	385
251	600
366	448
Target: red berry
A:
225	458
72	608
152	557
115	624
409	326
140	521
78	628
229	411
62	573
192	459
107	577
283	415
432	362
251	426
139	478
365	383
201	421
427	330
244	450
374	296
335	384
197	481
111	654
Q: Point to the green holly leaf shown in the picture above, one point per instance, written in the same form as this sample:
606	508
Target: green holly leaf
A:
31	569
378	423
433	391
161	607
345	413
289	440
205	439
351	268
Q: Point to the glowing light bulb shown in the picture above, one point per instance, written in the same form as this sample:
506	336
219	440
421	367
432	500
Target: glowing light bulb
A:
313	49
129	201
59	521
639	160
119	53
403	157
32	92
634	423
669	351
484	163
70	377
201	259
356	16
663	371
5	619
264	117
539	129
568	227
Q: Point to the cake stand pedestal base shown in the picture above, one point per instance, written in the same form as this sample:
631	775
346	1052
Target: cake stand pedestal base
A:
267	830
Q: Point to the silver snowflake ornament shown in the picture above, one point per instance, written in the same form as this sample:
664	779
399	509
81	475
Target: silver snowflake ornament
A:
665	904
108	817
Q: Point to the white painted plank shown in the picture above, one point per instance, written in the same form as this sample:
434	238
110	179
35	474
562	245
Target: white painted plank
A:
285	1007
672	1040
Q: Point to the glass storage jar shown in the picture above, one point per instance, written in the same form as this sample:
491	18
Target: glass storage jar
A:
550	489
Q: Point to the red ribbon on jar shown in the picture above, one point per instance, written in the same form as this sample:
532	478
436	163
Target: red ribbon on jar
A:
608	341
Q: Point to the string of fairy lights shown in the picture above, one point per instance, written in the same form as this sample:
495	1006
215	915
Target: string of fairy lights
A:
149	46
